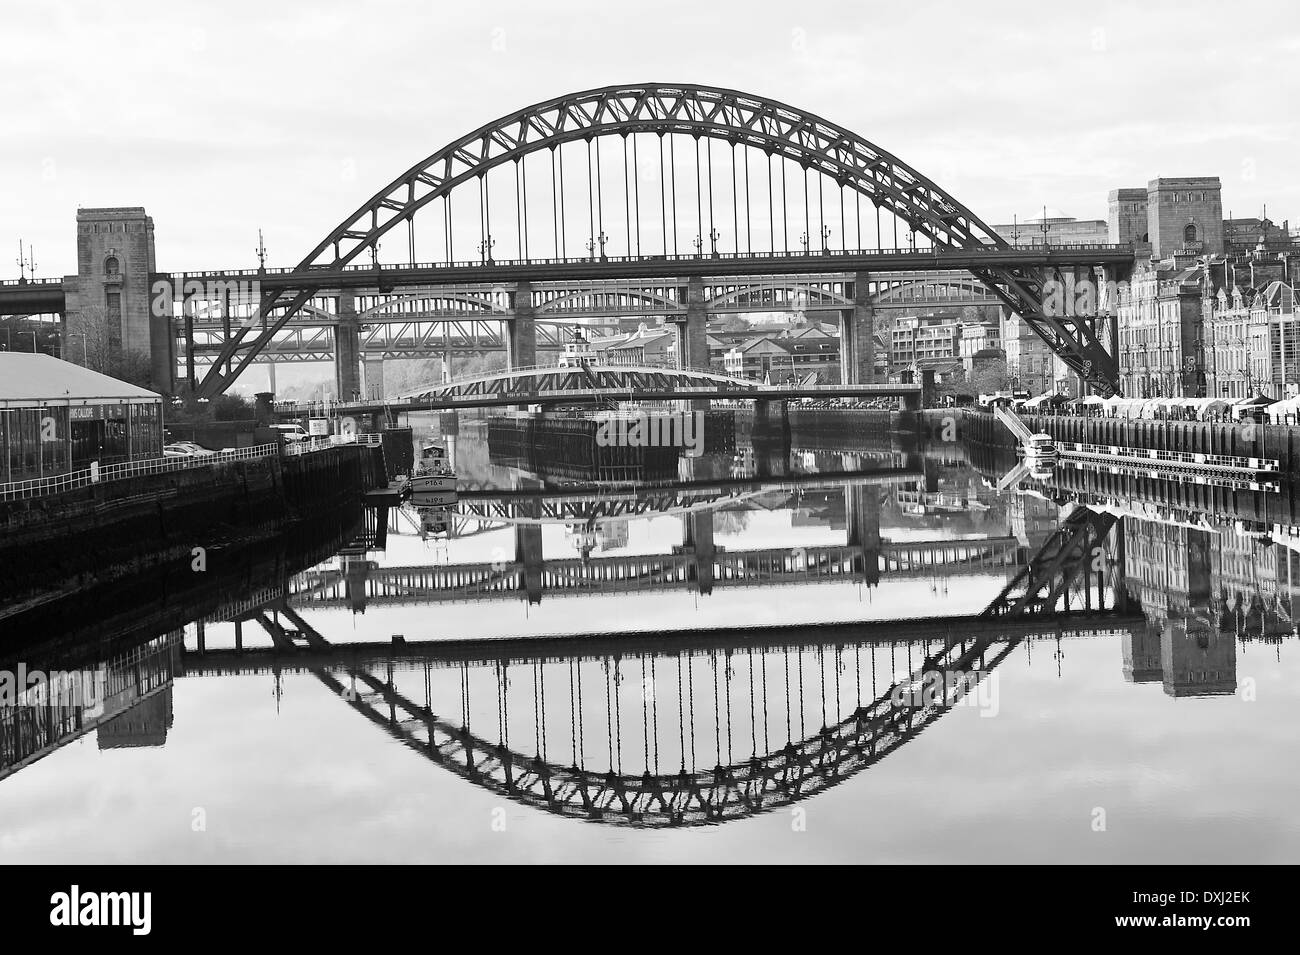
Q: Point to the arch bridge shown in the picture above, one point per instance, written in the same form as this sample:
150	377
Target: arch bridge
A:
588	383
676	730
670	186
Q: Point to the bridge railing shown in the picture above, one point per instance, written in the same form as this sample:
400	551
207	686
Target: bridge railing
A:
25	282
39	487
1028	252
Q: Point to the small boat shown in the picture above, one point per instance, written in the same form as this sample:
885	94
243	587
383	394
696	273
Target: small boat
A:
1040	448
432	473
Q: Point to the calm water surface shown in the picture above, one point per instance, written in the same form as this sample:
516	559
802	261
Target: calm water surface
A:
703	716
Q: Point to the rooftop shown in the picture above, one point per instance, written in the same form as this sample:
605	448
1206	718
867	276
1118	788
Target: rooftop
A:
32	379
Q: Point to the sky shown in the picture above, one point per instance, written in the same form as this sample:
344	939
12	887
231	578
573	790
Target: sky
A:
223	118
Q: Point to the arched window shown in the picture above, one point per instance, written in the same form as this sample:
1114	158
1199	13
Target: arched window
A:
112	266
1189	233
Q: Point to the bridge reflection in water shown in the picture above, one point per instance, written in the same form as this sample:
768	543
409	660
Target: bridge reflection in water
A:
690	728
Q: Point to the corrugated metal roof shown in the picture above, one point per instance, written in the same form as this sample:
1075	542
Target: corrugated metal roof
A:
27	379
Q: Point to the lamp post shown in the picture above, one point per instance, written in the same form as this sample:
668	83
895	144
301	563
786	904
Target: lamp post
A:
714	236
698	243
826	236
485	249
26	263
803	240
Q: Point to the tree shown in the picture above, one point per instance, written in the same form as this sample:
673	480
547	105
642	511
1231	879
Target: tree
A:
93	338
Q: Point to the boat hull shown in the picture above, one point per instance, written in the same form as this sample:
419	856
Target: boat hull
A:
432	483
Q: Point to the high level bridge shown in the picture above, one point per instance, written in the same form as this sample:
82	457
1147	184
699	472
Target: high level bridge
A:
635	200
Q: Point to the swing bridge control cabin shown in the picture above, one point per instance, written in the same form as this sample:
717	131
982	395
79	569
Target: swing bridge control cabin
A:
57	417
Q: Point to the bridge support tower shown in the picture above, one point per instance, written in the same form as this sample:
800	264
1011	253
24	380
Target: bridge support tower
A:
528	553
347	348
521	329
373	370
109	302
697	541
858	335
862	515
692	333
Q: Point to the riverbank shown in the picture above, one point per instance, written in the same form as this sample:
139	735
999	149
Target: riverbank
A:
89	537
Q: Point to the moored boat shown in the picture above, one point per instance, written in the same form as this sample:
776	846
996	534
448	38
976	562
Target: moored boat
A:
432	473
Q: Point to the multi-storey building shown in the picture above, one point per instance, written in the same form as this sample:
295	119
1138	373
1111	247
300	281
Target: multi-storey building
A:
1031	364
1252	339
1160	317
915	337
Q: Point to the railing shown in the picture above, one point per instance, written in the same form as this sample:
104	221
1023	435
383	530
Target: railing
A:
323	442
38	487
24	282
1192	459
1027	252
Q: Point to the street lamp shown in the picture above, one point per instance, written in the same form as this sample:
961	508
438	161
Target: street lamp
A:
26	263
803	240
485	248
698	243
714	236
826	235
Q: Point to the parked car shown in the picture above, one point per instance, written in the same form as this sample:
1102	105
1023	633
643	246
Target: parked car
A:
185	449
292	432
191	447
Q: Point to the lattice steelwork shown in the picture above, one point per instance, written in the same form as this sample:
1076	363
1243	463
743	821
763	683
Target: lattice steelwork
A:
653	171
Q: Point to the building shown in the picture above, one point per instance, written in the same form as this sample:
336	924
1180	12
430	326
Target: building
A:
1054	228
761	359
915	337
1244	235
978	337
1031	363
1160	318
57	417
1251	338
645	346
1181	215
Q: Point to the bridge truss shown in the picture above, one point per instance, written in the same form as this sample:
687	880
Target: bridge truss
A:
705	148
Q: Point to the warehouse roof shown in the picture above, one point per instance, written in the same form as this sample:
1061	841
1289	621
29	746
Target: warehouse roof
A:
27	380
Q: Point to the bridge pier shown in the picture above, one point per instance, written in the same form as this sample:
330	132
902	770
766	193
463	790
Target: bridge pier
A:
521	329
692	334
347	349
862	514
858	335
356	573
373	370
697	541
528	553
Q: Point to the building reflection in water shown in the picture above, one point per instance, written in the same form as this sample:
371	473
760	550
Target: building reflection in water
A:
717	725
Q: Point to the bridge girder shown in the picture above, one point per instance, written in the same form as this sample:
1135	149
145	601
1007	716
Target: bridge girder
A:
710	114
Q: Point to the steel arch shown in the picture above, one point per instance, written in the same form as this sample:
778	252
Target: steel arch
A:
558	381
699	111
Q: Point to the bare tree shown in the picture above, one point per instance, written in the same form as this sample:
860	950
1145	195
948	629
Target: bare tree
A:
93	338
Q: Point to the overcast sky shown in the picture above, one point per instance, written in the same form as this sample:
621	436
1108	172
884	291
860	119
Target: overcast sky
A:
224	117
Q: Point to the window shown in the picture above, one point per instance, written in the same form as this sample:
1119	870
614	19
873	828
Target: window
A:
1189	233
112	266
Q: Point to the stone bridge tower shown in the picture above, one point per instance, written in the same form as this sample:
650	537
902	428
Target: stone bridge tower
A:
109	300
